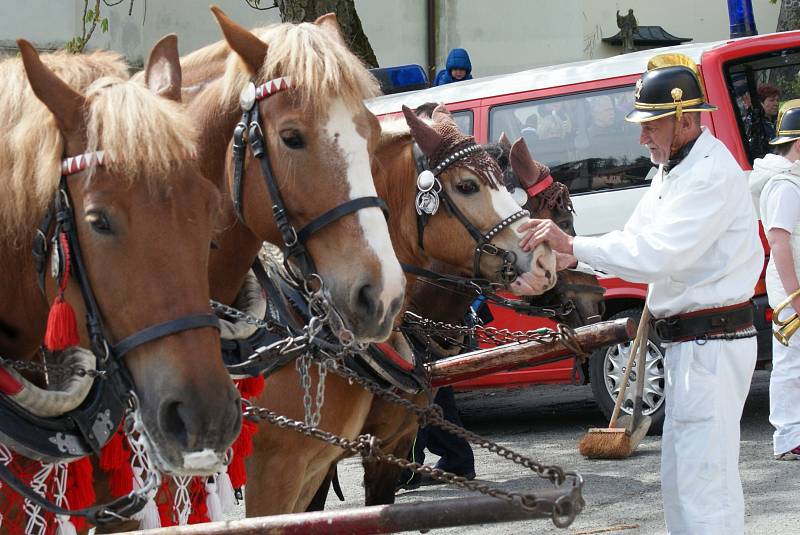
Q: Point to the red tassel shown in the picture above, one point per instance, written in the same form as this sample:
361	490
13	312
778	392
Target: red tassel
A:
197	491
242	449
80	488
62	328
252	387
165	503
115	458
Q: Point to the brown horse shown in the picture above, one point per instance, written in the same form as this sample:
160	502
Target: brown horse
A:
143	216
286	468
395	426
320	140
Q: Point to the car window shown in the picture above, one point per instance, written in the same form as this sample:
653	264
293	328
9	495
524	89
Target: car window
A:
758	86
463	120
582	137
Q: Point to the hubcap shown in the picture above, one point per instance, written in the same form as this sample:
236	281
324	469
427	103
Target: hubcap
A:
614	362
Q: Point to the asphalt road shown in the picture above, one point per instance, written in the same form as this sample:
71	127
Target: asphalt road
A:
545	422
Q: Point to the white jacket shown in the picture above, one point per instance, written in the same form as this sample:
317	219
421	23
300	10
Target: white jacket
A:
693	236
766	171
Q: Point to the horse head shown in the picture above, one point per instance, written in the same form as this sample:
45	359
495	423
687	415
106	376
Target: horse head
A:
545	198
318	144
476	227
142	215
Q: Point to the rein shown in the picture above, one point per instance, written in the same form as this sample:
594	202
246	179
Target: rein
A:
293	240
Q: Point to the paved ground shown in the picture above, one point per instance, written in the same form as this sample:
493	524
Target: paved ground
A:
545	422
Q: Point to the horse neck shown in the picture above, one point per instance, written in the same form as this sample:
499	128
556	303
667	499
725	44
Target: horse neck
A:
238	246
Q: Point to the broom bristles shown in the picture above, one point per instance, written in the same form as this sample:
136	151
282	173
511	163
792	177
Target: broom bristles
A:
606	443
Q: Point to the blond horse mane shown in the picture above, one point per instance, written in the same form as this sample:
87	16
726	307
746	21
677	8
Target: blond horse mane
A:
319	63
146	134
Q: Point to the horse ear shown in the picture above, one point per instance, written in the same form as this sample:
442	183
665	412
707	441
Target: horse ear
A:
250	48
330	24
162	73
504	141
528	170
426	137
442	115
67	105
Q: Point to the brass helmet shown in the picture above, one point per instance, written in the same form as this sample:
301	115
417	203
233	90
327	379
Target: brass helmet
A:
671	86
788	126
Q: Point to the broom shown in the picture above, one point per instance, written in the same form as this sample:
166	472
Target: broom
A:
619	442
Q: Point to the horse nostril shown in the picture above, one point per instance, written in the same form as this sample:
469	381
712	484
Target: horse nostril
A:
173	423
367	301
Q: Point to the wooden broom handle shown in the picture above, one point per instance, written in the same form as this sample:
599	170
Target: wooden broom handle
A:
641	332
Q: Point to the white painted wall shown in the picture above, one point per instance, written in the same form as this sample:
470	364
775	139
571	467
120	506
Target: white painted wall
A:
501	36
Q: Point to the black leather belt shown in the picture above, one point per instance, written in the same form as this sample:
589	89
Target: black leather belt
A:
735	321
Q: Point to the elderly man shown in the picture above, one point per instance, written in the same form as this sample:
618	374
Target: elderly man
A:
694	239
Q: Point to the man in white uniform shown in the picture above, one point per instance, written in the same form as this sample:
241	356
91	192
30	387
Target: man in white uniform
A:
775	184
694	239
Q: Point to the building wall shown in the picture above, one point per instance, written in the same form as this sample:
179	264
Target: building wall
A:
501	36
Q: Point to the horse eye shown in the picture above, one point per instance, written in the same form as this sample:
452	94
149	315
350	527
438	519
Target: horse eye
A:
293	140
99	222
467	187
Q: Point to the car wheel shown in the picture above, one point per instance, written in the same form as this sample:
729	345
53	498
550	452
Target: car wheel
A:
606	369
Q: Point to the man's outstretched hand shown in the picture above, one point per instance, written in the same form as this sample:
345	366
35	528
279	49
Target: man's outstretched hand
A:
545	230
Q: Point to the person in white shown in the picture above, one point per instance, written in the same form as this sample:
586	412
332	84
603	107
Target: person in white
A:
775	185
693	238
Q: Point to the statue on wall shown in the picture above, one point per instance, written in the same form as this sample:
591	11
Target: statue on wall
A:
627	25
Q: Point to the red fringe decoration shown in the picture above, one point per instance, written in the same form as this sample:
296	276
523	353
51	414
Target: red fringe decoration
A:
252	387
80	488
62	328
242	448
197	491
115	459
165	503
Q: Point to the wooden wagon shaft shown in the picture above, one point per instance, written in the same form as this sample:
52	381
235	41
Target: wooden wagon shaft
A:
374	519
485	361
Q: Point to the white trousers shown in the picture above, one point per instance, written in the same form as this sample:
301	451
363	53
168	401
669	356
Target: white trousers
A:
706	386
784	393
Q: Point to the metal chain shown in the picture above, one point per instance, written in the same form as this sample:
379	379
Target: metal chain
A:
61	370
312	412
563	510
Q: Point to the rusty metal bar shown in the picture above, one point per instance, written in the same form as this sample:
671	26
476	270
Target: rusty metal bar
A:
375	519
485	361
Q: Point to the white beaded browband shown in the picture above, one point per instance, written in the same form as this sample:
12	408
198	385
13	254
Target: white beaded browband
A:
454	157
76	164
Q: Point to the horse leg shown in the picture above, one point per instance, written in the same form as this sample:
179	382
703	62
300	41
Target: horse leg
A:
287	468
396	427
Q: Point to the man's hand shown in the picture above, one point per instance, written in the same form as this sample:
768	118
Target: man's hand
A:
544	230
565	261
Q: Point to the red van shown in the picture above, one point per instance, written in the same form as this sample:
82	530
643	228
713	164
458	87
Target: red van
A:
571	117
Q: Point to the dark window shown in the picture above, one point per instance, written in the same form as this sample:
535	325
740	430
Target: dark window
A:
464	121
582	137
758	86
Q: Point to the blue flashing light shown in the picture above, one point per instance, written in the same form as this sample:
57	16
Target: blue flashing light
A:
740	13
401	78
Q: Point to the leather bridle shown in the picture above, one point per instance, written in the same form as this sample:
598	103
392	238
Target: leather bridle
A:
294	241
508	271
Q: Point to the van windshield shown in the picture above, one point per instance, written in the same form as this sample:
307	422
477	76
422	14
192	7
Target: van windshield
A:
758	86
582	137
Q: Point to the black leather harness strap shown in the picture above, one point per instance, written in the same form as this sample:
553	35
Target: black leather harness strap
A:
294	242
185	323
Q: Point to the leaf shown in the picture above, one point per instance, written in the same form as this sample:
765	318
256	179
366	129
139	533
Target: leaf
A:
89	16
104	25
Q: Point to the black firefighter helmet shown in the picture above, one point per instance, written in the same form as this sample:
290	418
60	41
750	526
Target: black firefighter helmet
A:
671	86
788	126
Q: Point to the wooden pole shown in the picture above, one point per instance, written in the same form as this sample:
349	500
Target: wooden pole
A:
377	518
485	361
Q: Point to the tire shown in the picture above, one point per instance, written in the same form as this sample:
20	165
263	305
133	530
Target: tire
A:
606	366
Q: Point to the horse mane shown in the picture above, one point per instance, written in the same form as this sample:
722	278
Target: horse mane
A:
319	63
214	52
146	134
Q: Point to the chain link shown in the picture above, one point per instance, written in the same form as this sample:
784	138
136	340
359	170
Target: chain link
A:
51	369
